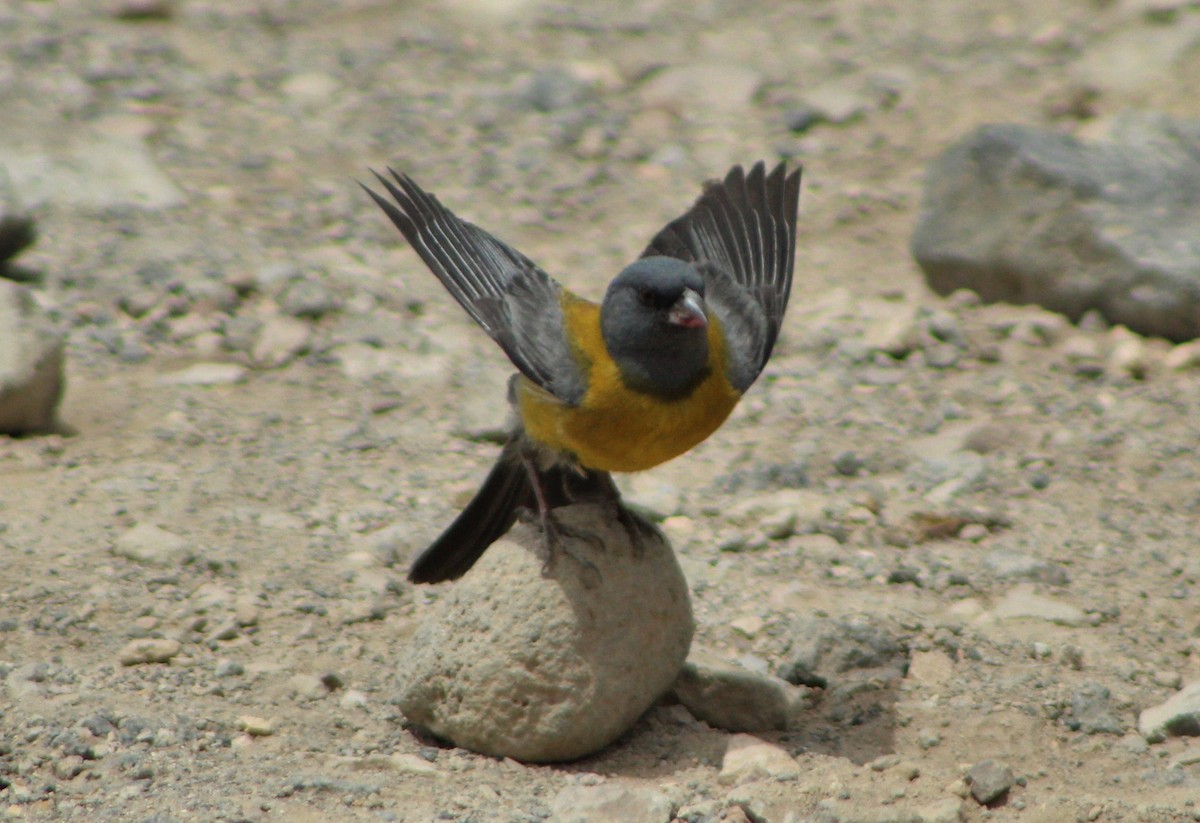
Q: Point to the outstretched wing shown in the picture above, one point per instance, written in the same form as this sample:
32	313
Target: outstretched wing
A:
515	302
741	233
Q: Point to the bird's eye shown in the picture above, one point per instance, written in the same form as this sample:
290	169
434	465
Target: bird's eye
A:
645	296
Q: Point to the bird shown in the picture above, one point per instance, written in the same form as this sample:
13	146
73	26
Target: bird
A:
616	386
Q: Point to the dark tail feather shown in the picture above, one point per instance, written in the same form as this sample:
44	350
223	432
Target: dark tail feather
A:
490	514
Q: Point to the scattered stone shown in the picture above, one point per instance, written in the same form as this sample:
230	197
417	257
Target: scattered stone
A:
1188	757
353	699
66	768
151	545
93	170
28	680
610	803
992	436
256	726
898	333
553	88
229	668
148	650
205	374
990	780
654	496
1183	356
1092	712
948	810
847	464
543	666
931	668
1023	603
747	758
948	476
733	814
1129	357
1007	564
268	278
1022	215
306	687
822	650
1179	716
928	738
245	614
696	89
782	512
1071	657
836	102
279	340
735	699
310	88
304	297
884	762
748	625
1167	679
31	365
1135	58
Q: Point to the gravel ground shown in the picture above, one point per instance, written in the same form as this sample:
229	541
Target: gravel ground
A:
202	595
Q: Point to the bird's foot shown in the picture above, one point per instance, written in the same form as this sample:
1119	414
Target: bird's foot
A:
637	528
553	534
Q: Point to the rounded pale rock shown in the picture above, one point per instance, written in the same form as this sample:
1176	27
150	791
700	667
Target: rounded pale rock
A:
550	664
31	365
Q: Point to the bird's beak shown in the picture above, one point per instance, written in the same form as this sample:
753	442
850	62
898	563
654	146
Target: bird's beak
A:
688	311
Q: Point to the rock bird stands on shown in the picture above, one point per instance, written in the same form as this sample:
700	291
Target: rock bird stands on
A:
621	385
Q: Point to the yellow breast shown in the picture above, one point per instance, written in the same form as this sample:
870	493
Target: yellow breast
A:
614	428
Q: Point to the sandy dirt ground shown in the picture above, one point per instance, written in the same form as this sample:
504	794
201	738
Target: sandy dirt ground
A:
1010	504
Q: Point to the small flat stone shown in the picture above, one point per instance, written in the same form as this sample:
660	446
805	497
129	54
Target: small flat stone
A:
611	802
306	687
1022	603
1012	565
1183	356
990	780
1092	712
149	544
748	758
948	810
930	668
838	101
229	668
353	699
205	374
309	87
736	699
406	763
256	726
1188	757
279	341
148	650
697	88
93	170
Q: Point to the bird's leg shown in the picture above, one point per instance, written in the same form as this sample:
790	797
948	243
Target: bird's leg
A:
552	530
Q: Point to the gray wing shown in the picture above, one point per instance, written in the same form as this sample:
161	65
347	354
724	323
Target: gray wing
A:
741	233
515	302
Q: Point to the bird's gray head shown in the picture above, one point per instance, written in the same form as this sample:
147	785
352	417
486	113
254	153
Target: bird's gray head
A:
655	325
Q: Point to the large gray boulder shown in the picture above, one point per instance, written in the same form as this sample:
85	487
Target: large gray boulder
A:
1026	215
514	662
31	365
